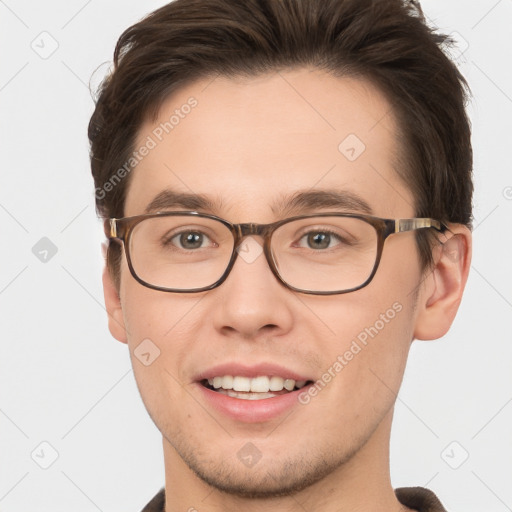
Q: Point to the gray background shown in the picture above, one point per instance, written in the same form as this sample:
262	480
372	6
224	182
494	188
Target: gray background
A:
66	383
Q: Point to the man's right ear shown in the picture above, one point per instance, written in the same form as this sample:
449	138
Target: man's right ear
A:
114	310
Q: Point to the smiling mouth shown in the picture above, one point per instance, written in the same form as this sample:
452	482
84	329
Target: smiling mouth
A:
256	388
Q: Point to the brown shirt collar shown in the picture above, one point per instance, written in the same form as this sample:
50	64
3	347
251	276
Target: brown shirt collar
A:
417	498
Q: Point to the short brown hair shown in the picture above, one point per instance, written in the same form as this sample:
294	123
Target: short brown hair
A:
387	42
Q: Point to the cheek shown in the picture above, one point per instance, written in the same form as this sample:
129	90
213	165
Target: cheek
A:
160	328
153	314
371	333
368	336
362	371
157	324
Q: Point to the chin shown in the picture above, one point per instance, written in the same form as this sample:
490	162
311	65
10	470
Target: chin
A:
270	478
267	482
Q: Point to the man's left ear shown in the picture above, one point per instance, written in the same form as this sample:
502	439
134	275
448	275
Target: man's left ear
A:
444	284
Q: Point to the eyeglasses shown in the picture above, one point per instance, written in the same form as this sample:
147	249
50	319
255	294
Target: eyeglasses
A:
320	254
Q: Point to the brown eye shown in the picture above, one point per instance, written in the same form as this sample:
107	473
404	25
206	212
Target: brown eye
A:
190	240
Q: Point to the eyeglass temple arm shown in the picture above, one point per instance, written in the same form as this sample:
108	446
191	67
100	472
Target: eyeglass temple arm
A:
110	228
420	223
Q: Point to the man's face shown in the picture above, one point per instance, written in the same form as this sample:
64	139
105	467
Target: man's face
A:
247	145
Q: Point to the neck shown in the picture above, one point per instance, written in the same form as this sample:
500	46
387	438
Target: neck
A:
362	483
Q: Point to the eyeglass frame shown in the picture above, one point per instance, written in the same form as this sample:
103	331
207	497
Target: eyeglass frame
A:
121	230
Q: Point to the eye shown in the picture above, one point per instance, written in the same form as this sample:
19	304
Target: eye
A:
320	240
189	240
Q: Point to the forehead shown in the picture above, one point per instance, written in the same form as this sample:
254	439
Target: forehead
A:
247	143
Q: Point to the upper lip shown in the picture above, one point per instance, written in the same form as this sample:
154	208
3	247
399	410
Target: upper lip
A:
254	370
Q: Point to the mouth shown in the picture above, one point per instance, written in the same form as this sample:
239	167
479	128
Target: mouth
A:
253	388
255	393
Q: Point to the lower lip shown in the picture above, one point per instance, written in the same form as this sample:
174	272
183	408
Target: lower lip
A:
251	411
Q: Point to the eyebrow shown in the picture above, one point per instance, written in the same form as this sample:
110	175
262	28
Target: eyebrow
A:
301	201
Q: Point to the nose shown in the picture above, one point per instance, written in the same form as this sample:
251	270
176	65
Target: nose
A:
251	302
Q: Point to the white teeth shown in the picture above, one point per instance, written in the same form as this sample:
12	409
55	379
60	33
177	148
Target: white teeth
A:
260	384
289	384
241	384
276	384
246	396
227	382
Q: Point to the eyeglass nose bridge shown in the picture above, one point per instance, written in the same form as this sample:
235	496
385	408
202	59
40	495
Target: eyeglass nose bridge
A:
244	230
248	229
240	232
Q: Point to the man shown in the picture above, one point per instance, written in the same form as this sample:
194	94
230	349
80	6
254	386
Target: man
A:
287	192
